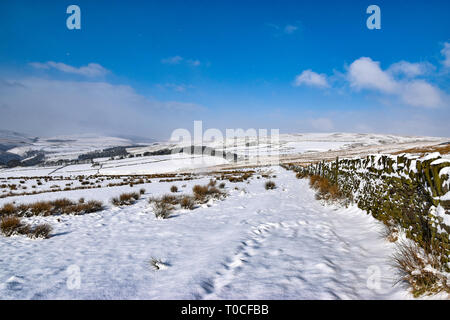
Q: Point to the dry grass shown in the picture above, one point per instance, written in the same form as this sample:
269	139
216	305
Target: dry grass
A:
390	233
442	149
166	204
41	208
14	226
126	199
235	175
270	185
204	193
8	209
49	208
325	189
187	202
420	269
162	209
82	208
41	231
170	199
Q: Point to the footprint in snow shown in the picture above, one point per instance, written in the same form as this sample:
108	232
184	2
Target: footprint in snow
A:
14	283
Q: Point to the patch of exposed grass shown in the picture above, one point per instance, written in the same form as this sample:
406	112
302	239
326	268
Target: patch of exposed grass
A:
325	189
162	209
49	208
420	269
126	199
445	149
187	202
8	209
41	231
14	226
270	185
203	193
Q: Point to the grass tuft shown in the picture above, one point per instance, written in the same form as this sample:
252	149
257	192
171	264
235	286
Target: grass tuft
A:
270	185
126	199
420	269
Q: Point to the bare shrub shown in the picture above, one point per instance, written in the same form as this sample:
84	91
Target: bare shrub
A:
40	208
13	225
170	199
60	206
174	189
89	207
162	209
126	199
203	193
60	203
41	231
187	202
200	192
8	209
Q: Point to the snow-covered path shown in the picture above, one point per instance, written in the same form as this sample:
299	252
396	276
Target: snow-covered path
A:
256	244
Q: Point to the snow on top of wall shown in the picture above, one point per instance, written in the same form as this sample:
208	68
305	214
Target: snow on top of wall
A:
430	156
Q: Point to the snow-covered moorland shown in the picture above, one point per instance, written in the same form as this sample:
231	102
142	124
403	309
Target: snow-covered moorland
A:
254	243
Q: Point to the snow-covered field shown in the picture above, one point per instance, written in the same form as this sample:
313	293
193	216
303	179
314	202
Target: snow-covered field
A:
255	244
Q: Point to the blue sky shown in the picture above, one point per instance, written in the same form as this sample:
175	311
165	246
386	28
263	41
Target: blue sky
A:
148	67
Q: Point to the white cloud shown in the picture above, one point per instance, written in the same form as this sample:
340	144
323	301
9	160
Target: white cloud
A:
172	60
446	53
56	106
194	63
175	87
287	29
409	69
311	78
290	29
364	73
91	70
419	93
179	60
